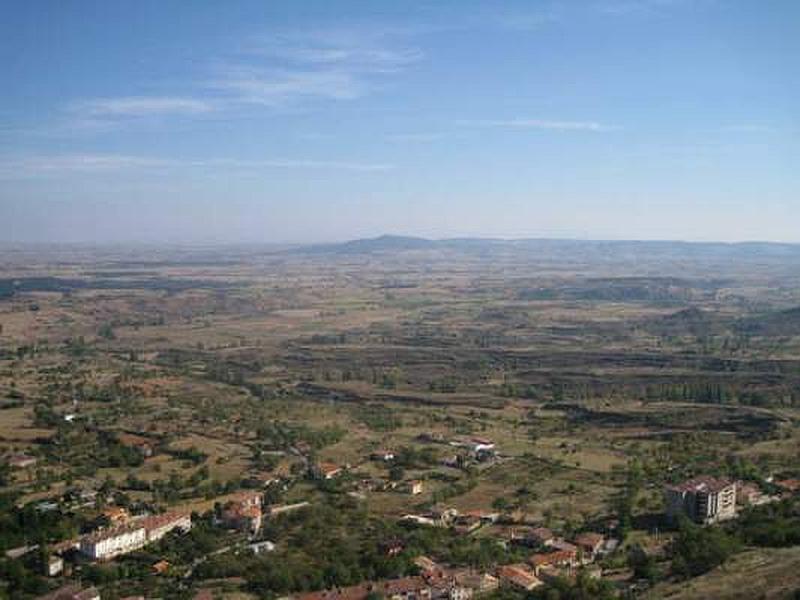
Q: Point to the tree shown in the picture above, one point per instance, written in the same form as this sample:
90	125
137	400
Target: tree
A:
642	564
697	550
397	473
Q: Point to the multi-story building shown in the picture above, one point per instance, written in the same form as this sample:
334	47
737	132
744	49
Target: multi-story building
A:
157	526
243	512
114	541
703	499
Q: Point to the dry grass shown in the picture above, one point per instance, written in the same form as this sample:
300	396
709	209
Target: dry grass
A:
768	574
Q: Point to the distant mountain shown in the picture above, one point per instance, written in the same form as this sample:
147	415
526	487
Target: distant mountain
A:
384	243
566	248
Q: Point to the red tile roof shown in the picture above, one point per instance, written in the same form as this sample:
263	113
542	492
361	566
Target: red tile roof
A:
701	484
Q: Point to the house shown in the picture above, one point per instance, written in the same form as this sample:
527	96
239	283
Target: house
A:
519	576
327	470
559	544
46	506
557	559
116	515
161	567
407	588
73	591
142	445
21	551
382	455
53	566
703	499
301	448
243	518
454	461
474	583
749	494
420	520
481	444
21	461
247	499
792	486
461	584
431	437
80	497
262	547
157	526
443	517
541	536
392	547
426	565
483	515
551	574
414	487
435	517
590	544
467	523
104	544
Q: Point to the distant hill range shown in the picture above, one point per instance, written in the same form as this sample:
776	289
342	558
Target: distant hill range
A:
399	243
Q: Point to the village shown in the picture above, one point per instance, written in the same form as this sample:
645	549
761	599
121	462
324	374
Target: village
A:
548	557
341	426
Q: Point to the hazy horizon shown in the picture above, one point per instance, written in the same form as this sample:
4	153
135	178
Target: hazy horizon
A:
315	122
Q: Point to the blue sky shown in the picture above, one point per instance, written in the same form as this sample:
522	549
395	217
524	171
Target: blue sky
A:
178	121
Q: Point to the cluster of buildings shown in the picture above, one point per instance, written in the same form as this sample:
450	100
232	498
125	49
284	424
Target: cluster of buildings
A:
556	557
144	446
72	591
463	522
438	584
21	461
246	512
243	512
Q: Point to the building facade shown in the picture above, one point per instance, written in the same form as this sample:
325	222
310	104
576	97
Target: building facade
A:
704	500
108	543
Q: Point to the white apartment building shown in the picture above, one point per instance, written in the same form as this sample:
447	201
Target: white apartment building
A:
703	499
108	543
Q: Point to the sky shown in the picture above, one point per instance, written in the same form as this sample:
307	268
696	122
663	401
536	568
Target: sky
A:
322	120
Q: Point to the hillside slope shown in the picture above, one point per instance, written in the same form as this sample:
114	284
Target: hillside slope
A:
767	573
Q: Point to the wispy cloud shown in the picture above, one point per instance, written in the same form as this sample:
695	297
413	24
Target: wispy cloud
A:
748	128
296	164
355	49
544	124
633	7
270	71
75	163
80	164
414	137
140	106
334	64
269	87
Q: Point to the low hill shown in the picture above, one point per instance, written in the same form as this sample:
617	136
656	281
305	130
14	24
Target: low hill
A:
766	574
780	323
690	321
